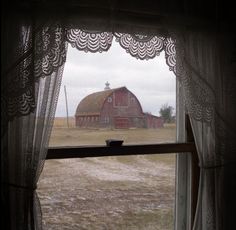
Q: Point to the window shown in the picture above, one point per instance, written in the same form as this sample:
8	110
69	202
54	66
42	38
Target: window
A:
109	99
194	47
136	178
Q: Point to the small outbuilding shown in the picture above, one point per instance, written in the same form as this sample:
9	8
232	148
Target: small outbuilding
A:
115	108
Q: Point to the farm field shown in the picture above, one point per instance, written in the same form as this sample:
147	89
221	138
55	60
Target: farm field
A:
72	136
120	193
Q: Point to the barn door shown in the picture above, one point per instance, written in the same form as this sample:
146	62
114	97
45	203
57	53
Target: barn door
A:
121	123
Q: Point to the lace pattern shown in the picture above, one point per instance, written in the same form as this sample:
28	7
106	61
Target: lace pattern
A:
199	98
50	50
89	41
142	47
17	91
49	46
170	54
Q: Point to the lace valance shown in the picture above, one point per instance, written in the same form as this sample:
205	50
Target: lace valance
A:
49	53
89	41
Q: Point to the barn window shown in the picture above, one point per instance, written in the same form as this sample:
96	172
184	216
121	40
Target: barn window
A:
109	99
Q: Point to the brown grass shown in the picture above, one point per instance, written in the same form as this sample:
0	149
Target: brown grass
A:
72	136
61	122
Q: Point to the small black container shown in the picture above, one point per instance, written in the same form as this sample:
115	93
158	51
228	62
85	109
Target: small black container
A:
114	142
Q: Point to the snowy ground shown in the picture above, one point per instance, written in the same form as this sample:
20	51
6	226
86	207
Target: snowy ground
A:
107	194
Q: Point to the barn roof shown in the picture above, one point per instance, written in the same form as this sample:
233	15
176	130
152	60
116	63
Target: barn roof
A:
92	104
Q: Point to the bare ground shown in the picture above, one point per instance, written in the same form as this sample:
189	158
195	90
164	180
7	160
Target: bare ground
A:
127	193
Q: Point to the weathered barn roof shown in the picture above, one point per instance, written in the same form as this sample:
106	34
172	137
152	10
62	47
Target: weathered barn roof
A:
92	104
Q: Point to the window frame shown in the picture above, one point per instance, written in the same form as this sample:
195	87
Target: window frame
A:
187	150
124	150
188	161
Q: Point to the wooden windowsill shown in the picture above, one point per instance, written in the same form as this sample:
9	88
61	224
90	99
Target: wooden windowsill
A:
124	150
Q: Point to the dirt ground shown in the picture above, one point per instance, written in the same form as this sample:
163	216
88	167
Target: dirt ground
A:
108	193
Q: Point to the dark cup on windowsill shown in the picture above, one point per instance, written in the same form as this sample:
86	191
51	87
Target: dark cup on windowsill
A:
114	142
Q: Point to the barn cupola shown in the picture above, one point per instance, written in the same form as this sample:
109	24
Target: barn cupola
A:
107	86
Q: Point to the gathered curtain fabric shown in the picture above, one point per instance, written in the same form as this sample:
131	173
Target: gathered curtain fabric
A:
210	101
34	56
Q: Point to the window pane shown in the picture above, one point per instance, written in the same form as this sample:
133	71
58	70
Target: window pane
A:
112	95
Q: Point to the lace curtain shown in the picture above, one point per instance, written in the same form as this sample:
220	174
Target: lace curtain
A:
208	65
31	83
34	55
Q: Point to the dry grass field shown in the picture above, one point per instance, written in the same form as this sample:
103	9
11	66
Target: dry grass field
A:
72	136
61	122
108	193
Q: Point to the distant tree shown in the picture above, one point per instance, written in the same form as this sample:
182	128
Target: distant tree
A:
166	112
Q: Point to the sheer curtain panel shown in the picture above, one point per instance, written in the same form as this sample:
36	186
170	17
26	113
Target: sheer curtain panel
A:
34	53
210	99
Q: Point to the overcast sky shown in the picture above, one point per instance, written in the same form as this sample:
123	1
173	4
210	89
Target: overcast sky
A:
86	73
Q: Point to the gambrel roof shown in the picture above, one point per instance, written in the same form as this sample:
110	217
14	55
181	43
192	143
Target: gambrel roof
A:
92	104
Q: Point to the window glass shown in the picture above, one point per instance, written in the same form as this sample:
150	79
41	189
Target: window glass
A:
125	95
125	192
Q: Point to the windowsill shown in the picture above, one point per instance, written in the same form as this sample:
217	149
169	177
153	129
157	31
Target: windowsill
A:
99	151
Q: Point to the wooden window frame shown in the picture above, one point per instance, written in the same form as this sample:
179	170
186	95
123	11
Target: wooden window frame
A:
102	151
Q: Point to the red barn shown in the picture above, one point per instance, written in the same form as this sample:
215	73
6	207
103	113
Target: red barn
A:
114	108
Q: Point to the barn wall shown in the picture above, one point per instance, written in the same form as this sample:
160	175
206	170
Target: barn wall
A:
88	121
122	110
153	122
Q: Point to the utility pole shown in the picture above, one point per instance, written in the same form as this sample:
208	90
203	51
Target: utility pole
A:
67	116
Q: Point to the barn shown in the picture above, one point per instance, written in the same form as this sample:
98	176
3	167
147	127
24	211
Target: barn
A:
115	108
